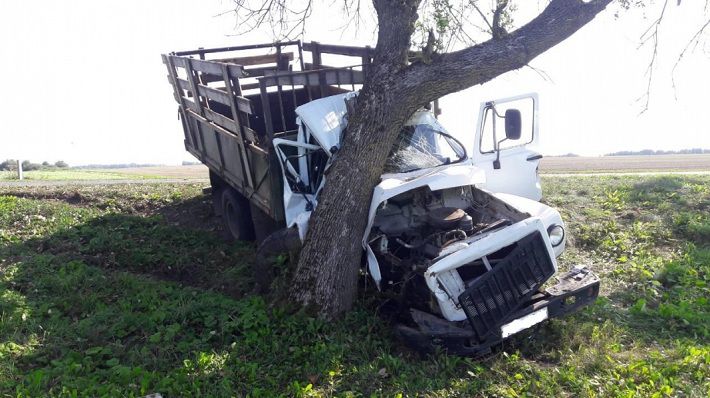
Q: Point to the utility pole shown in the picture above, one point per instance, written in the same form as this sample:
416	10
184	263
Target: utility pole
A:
19	169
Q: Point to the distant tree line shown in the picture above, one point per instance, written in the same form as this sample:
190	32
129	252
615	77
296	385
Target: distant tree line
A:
11	165
566	155
115	166
692	151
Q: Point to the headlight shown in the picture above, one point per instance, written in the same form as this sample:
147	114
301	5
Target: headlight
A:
557	234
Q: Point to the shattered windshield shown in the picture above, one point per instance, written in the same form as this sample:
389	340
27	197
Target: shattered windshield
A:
423	144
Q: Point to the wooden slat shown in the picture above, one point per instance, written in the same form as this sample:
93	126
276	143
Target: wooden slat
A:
246	167
249	134
236	48
244	105
310	66
316	54
222	121
185	85
330	77
207	67
214	68
337	49
209	78
234	180
250	86
258	59
266	108
192	79
172	77
214	94
189	104
262	71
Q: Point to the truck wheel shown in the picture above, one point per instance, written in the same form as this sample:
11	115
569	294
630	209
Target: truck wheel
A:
217	193
218	186
236	215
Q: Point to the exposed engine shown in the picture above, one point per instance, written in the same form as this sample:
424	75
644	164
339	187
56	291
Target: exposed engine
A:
415	229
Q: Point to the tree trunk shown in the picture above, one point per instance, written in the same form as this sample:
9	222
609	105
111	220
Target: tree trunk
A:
326	275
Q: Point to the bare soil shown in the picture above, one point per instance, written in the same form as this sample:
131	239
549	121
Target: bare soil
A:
188	172
583	164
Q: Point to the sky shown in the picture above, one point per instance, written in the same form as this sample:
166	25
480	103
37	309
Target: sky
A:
83	79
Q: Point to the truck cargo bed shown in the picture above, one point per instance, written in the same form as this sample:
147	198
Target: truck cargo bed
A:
235	103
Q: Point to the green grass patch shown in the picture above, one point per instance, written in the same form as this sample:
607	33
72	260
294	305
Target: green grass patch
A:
129	290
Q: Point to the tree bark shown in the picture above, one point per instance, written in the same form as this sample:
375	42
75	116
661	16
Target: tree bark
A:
327	271
326	275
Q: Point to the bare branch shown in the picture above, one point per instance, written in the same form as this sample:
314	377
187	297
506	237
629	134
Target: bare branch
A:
651	35
544	75
692	42
286	19
497	29
475	7
355	13
478	64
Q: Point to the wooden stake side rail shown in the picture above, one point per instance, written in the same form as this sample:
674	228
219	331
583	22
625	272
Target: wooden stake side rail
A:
203	51
339	49
232	132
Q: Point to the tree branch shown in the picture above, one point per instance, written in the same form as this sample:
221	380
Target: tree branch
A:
475	7
651	34
497	29
285	18
478	64
395	19
692	42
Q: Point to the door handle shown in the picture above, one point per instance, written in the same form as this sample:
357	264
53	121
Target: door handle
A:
534	157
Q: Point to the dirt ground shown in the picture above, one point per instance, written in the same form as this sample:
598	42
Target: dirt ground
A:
625	163
189	172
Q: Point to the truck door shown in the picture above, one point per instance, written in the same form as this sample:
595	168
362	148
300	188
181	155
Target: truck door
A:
509	163
302	165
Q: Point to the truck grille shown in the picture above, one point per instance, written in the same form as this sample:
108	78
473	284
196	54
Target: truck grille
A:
513	280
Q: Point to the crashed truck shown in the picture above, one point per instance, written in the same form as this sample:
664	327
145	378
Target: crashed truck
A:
458	238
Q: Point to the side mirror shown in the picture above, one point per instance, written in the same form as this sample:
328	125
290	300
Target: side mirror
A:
513	124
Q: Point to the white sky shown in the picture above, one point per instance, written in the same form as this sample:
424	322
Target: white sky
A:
83	80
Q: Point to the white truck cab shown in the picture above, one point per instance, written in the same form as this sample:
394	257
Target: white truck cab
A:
462	239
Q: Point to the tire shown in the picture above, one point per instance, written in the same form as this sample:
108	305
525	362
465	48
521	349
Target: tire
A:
264	225
236	216
218	186
217	200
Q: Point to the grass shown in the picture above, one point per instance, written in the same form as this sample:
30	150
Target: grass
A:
73	174
128	290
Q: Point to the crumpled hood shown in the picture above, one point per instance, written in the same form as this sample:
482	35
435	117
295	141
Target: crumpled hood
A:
442	177
325	118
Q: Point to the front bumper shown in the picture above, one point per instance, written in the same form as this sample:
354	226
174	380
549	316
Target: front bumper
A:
575	289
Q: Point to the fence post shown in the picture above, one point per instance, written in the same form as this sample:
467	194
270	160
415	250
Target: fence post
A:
19	169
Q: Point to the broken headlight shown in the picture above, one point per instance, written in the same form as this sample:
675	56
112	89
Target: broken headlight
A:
557	234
